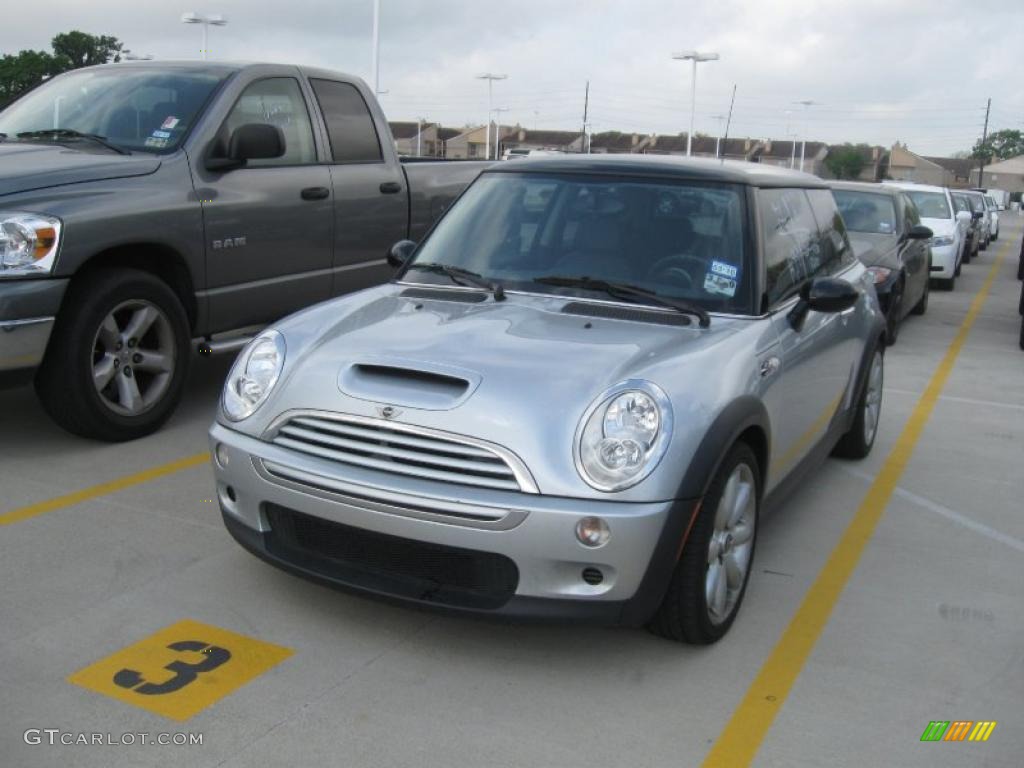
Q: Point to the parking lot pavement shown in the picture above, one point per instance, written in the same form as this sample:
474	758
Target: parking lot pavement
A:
927	628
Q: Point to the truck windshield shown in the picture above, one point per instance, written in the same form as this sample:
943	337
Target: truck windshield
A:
133	109
682	240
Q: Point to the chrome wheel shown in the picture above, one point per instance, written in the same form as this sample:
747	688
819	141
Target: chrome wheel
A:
731	544
133	357
873	399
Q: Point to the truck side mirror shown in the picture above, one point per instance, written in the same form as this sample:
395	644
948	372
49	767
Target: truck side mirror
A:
252	141
400	253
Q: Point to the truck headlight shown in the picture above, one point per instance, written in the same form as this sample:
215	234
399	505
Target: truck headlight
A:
941	242
28	243
623	435
253	375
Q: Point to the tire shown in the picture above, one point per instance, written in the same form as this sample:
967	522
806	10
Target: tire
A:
958	268
684	614
945	284
892	317
984	244
922	305
857	442
1020	263
144	376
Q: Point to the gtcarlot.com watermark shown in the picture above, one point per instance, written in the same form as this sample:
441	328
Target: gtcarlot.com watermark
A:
55	736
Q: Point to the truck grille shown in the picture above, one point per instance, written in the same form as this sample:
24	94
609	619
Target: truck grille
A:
403	450
391	565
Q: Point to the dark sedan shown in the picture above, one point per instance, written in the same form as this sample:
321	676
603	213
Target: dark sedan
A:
887	235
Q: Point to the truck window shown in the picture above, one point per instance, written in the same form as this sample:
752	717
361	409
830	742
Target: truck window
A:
349	125
276	101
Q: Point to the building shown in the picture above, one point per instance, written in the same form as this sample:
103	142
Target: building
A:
559	141
786	154
703	146
471	143
963	171
416	138
1006	174
615	142
905	165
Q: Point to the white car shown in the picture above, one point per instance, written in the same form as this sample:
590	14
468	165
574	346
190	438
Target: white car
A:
993	216
935	204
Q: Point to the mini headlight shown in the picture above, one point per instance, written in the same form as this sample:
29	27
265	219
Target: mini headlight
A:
253	375
28	243
623	436
942	241
879	274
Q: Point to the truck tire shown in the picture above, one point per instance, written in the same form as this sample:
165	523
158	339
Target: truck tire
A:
116	363
717	558
857	442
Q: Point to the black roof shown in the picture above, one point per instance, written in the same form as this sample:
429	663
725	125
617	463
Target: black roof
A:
665	166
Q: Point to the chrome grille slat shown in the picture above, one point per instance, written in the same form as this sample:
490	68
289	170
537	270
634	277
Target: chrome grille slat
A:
392	436
491	466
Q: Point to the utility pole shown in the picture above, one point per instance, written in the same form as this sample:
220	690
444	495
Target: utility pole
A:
419	136
490	78
808	103
728	120
984	138
376	48
586	104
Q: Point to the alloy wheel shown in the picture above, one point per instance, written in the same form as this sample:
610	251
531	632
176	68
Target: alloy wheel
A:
873	399
731	544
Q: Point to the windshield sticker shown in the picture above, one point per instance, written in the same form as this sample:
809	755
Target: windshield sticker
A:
169	123
719	284
161	134
156	143
724	269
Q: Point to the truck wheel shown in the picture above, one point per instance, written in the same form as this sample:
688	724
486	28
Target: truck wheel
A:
117	360
711	576
857	443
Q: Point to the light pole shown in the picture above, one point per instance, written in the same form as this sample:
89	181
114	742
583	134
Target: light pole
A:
808	103
490	78
497	129
375	71
207	21
693	56
720	119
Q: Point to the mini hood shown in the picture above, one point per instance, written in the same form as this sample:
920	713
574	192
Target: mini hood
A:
29	166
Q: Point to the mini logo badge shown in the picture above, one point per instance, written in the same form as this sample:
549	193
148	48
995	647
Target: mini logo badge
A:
388	411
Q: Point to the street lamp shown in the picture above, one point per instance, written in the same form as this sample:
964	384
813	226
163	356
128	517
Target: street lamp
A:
207	21
808	103
721	120
490	78
693	56
497	129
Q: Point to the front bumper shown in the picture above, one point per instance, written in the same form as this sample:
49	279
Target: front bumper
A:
27	313
944	261
534	532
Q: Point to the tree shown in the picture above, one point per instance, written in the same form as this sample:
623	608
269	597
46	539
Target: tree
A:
1000	145
81	49
845	162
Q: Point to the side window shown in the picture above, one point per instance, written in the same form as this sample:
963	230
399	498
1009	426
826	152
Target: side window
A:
349	125
911	217
791	241
276	101
836	252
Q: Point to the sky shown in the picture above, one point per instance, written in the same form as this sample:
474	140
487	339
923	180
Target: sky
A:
878	71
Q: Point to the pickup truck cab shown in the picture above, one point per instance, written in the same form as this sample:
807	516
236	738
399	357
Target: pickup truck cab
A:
147	204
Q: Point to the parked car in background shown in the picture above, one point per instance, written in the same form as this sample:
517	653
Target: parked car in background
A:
980	212
888	237
147	204
938	213
1001	196
573	401
993	217
965	213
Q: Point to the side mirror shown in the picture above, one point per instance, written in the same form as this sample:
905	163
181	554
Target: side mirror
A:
822	294
977	215
920	232
252	141
400	253
963	215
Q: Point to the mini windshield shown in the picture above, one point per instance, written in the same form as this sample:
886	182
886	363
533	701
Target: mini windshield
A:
931	205
133	109
867	212
681	240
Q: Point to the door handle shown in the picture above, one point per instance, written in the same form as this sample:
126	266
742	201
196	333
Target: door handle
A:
315	193
390	188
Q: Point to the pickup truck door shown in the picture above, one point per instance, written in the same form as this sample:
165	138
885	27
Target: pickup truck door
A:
371	195
268	225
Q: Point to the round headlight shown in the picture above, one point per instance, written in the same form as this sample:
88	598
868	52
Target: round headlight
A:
253	375
623	436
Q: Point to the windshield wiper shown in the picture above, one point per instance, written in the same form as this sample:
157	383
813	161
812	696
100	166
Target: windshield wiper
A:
463	277
70	133
627	291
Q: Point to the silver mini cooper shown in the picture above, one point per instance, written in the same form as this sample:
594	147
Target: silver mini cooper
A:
573	401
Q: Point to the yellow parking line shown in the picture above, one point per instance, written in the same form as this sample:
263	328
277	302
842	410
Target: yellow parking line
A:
32	510
739	742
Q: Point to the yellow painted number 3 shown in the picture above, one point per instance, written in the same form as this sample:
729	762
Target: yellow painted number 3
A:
184	673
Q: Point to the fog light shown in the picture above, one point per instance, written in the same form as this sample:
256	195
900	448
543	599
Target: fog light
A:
593	576
592	532
221	454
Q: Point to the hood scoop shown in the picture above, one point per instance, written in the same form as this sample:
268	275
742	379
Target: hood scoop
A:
444	294
410	383
625	313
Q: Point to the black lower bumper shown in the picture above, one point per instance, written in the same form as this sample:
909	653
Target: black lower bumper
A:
634	612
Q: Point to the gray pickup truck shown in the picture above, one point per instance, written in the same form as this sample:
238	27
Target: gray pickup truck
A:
148	206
